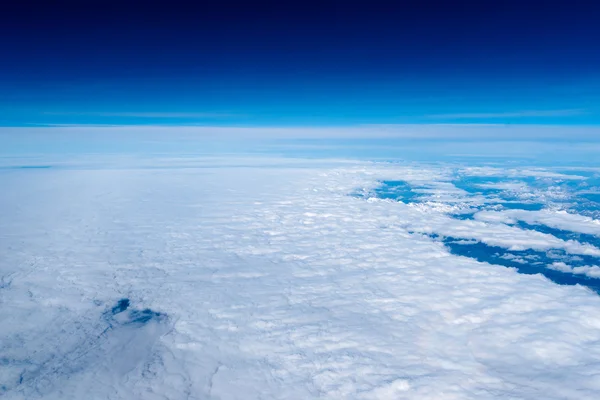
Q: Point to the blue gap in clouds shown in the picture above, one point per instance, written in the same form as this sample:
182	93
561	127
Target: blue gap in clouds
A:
463	216
471	184
393	190
122	314
593	197
522	206
532	262
396	190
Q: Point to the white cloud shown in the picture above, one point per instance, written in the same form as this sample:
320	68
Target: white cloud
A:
559	219
516	114
494	232
518	173
592	271
276	284
512	257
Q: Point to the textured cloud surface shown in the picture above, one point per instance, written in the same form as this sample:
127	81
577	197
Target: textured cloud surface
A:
276	280
559	220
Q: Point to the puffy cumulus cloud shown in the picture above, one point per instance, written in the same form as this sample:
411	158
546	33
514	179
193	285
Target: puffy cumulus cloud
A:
254	281
494	232
558	219
592	271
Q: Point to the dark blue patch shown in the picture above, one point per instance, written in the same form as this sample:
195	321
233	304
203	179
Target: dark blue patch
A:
510	205
536	264
463	216
123	314
121	306
143	316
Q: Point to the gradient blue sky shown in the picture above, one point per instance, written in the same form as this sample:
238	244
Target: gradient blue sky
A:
276	63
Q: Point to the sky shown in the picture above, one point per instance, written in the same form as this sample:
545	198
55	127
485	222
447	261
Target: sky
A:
307	64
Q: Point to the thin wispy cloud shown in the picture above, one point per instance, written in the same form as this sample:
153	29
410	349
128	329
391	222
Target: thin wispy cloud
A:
148	114
514	114
416	131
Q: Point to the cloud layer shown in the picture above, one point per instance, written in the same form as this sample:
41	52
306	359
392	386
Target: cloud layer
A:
271	280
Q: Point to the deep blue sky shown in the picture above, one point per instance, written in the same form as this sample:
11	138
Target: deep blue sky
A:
275	63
